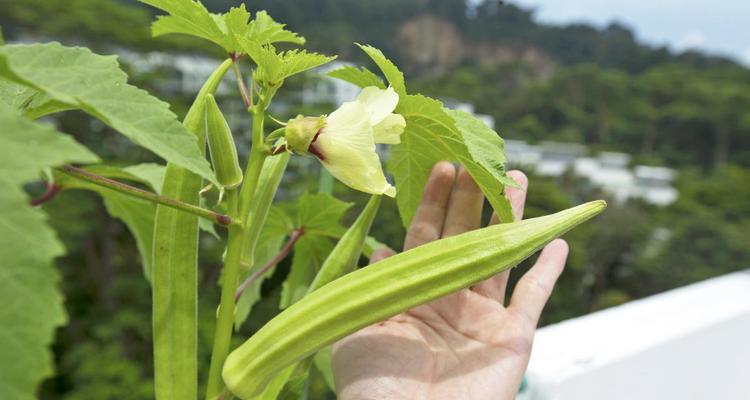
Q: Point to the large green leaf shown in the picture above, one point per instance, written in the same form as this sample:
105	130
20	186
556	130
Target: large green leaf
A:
32	303
318	216
27	147
188	17
192	18
78	78
309	254
433	134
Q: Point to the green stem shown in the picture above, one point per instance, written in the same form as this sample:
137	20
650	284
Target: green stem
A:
237	234
131	191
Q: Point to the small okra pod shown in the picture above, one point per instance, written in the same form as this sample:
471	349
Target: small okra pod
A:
343	259
221	146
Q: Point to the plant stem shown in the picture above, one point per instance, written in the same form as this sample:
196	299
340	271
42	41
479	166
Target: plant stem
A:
50	192
237	234
132	191
293	238
246	98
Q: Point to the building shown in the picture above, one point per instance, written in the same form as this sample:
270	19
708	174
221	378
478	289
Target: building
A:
608	171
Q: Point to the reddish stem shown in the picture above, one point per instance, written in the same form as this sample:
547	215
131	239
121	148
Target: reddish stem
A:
51	191
240	81
293	238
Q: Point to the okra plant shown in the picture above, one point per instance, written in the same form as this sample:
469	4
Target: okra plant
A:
325	296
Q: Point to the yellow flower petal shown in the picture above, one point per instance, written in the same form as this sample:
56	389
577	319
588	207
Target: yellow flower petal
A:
389	130
347	145
378	102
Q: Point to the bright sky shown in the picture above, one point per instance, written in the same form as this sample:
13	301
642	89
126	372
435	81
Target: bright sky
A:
716	26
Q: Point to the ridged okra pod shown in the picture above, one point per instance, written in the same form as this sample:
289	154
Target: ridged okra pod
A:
343	258
387	288
174	275
221	146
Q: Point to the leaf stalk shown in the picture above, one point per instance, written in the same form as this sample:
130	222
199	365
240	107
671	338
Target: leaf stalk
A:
132	191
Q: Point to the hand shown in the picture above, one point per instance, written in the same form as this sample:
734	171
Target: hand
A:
466	345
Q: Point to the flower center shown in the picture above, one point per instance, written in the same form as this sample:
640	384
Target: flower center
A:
313	149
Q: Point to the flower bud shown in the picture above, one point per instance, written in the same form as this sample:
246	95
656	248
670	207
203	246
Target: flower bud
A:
301	131
221	146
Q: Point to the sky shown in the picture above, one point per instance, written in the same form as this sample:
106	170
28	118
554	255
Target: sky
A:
716	26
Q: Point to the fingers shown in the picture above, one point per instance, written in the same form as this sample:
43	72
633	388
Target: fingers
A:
427	224
465	206
535	286
381	254
494	287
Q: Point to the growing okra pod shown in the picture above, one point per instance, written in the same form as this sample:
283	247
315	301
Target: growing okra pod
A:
387	288
221	146
343	258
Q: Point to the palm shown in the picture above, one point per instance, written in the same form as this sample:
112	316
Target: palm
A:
463	346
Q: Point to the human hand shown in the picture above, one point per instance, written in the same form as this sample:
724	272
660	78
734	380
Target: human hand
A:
467	345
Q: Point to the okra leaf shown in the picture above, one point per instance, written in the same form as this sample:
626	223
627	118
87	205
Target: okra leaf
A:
264	29
432	135
32	302
28	147
486	147
274	67
190	17
319	216
78	78
310	252
361	77
322	362
320	213
394	76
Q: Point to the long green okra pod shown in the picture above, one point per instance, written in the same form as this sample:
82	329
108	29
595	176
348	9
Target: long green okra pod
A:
342	260
174	272
388	287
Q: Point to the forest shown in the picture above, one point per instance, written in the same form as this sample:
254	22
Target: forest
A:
594	86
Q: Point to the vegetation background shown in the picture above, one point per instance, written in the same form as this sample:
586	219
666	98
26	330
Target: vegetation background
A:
577	83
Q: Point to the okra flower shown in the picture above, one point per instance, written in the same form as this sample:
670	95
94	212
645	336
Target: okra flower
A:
344	141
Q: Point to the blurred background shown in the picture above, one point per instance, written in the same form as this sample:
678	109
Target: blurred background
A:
646	104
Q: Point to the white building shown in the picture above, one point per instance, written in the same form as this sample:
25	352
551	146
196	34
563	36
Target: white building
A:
608	171
689	343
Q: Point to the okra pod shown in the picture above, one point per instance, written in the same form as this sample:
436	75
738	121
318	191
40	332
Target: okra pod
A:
343	259
221	146
175	270
387	288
